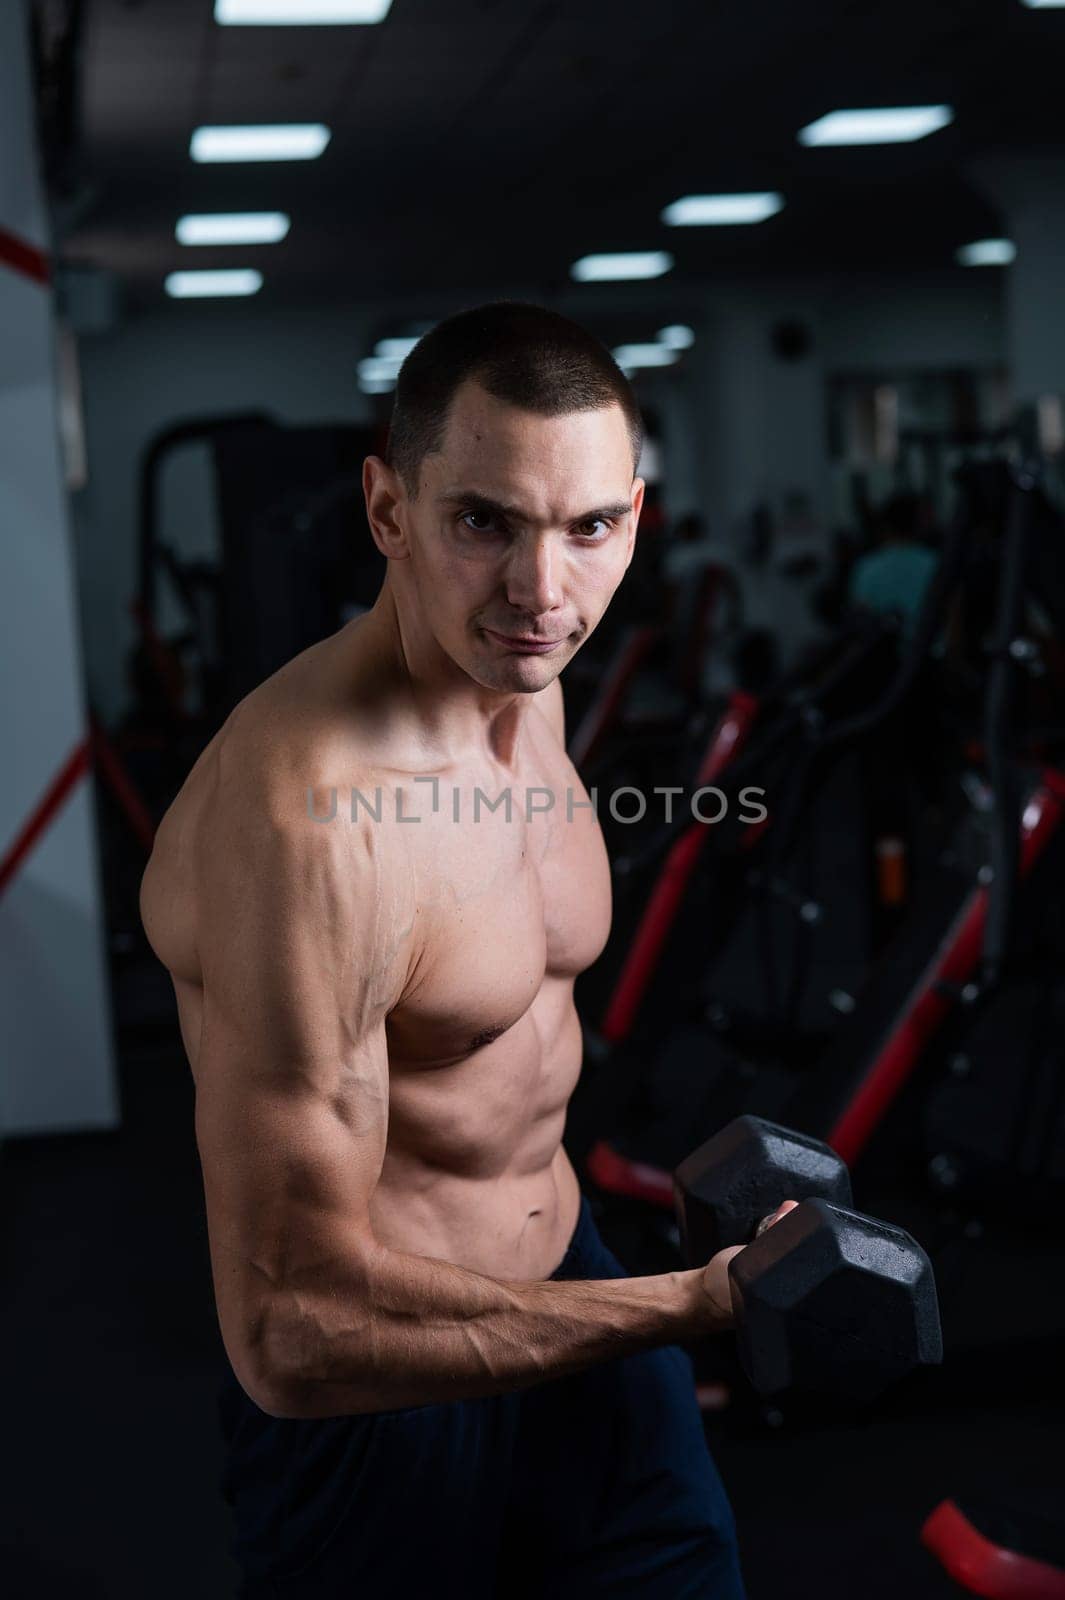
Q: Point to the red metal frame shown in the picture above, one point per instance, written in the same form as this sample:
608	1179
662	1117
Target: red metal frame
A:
985	1568
66	779
96	749
24	258
933	996
637	1179
930	1002
711	585
112	769
164	659
728	738
628	659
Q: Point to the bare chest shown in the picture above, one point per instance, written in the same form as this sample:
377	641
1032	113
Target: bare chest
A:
511	889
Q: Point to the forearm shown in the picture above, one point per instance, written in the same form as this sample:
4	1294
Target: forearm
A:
410	1331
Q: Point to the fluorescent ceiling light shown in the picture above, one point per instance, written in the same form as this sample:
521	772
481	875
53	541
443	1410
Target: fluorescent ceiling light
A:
621	265
987	252
644	355
721	210
378	373
394	349
1042	5
291	12
378	368
678	336
199	285
886	125
237	227
291	141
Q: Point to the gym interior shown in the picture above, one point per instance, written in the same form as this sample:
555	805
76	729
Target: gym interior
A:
823	717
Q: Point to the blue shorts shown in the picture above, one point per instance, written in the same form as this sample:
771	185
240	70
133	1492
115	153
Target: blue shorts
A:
597	1484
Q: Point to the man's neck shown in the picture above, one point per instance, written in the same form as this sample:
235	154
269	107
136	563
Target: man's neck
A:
448	711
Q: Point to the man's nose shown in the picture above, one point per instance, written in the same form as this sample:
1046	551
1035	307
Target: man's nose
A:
532	576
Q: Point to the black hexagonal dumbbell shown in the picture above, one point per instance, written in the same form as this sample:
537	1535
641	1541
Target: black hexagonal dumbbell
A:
826	1299
724	1188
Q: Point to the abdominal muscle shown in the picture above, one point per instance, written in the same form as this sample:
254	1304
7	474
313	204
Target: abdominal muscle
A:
515	1227
475	1172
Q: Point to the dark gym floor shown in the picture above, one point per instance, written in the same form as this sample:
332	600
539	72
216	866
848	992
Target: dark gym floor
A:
112	1355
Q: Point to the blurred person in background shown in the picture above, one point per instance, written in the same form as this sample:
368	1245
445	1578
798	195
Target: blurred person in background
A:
893	578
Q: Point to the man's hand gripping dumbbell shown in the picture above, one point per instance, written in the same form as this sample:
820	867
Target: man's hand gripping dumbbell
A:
824	1299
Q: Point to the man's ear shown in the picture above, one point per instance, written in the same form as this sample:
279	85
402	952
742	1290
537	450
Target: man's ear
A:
386	508
638	488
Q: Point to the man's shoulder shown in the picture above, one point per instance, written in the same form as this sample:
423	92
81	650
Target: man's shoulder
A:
282	762
262	776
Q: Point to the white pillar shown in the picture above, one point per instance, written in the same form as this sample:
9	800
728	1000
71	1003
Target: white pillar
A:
669	392
759	392
761	414
1027	189
56	1066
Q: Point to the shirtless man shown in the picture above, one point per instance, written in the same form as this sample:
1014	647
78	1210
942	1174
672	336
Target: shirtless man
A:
443	1382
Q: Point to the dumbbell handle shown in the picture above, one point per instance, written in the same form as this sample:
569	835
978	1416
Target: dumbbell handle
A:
768	1219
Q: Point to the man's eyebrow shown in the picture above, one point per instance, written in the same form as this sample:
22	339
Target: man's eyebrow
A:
471	500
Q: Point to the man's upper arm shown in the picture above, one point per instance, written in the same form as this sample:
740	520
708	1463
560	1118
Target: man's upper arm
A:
292	1068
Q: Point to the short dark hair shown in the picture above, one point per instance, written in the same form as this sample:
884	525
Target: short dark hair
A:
521	353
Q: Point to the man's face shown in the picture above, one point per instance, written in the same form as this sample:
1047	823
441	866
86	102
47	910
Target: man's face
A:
521	531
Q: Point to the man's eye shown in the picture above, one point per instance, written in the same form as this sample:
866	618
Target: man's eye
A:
478	521
594	528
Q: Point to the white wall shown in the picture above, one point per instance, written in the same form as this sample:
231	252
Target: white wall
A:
922	322
747	426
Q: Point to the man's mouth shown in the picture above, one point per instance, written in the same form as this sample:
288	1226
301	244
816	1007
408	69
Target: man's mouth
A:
524	644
